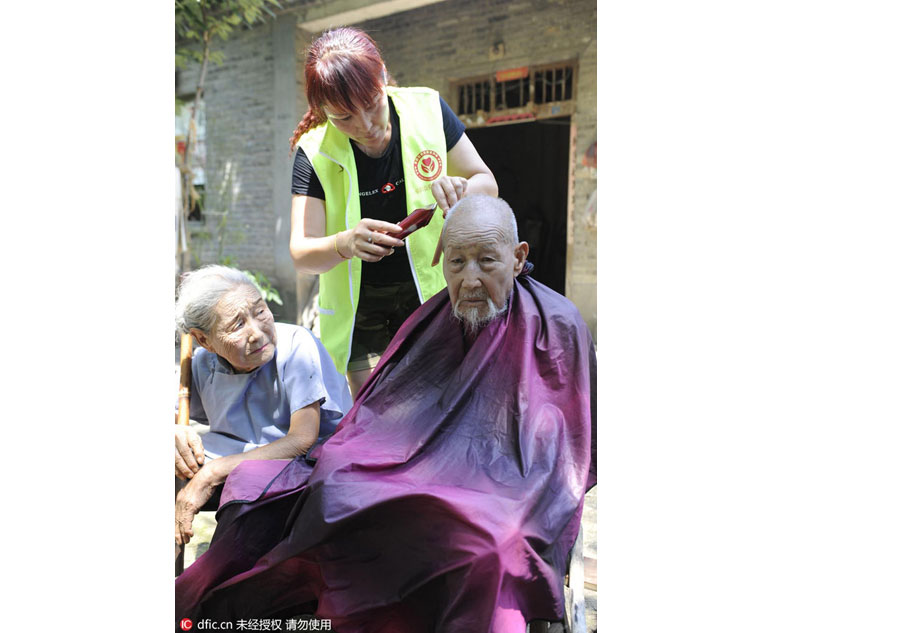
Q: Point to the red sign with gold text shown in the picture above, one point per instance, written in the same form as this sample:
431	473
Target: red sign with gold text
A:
511	73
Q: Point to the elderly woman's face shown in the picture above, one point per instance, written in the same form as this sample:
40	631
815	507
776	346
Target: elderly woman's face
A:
244	330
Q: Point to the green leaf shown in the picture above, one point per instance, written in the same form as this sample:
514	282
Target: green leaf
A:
268	292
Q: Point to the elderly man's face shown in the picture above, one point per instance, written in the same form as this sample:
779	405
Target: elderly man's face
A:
244	331
479	267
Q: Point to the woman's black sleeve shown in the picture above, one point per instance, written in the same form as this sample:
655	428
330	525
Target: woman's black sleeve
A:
453	127
304	181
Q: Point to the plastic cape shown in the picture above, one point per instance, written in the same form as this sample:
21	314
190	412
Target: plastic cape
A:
447	499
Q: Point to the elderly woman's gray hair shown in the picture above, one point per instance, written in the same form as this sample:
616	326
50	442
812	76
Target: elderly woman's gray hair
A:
200	292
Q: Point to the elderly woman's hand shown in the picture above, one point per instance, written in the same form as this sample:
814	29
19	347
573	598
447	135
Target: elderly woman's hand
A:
188	452
448	190
188	502
369	240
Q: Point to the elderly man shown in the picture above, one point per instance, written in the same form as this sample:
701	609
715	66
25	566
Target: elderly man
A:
449	496
266	390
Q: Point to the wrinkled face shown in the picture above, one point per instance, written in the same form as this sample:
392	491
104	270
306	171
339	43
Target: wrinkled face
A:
479	268
244	330
368	125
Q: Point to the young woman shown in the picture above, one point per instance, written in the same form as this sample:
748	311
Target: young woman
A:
368	154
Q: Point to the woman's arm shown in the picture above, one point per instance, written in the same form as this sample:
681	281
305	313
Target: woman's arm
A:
466	173
314	252
301	435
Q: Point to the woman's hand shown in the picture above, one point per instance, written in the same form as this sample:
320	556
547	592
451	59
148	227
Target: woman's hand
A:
315	252
188	502
369	240
188	452
448	190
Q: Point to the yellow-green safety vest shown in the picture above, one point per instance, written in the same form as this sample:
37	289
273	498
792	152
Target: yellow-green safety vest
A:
424	156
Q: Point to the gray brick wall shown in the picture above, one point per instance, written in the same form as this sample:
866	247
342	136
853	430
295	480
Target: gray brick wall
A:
239	114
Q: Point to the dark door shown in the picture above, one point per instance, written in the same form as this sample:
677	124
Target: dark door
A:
531	164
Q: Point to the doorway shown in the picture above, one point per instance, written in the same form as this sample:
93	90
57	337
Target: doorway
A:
531	164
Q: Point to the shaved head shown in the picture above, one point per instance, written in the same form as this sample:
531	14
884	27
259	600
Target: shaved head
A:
485	210
482	257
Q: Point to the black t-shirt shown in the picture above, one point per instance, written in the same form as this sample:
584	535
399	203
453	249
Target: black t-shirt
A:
382	194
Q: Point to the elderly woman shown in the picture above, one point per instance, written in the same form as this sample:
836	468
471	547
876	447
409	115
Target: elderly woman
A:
267	390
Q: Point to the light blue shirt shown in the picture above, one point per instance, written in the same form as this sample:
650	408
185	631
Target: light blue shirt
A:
245	411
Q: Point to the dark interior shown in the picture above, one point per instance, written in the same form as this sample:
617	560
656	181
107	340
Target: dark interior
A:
530	162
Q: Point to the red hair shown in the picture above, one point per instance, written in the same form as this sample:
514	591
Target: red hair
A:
344	69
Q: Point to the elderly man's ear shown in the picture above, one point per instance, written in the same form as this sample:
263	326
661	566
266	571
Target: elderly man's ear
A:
521	254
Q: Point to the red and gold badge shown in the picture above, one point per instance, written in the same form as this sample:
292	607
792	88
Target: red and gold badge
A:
427	165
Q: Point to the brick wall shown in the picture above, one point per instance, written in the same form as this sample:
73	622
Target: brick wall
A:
241	158
239	113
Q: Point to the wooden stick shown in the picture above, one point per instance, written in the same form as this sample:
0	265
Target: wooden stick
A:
184	386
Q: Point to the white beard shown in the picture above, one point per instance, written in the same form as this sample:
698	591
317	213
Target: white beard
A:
472	320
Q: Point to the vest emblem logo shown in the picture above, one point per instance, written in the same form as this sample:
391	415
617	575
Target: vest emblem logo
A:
427	165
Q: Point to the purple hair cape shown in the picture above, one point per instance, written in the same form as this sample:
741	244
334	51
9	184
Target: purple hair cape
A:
447	499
